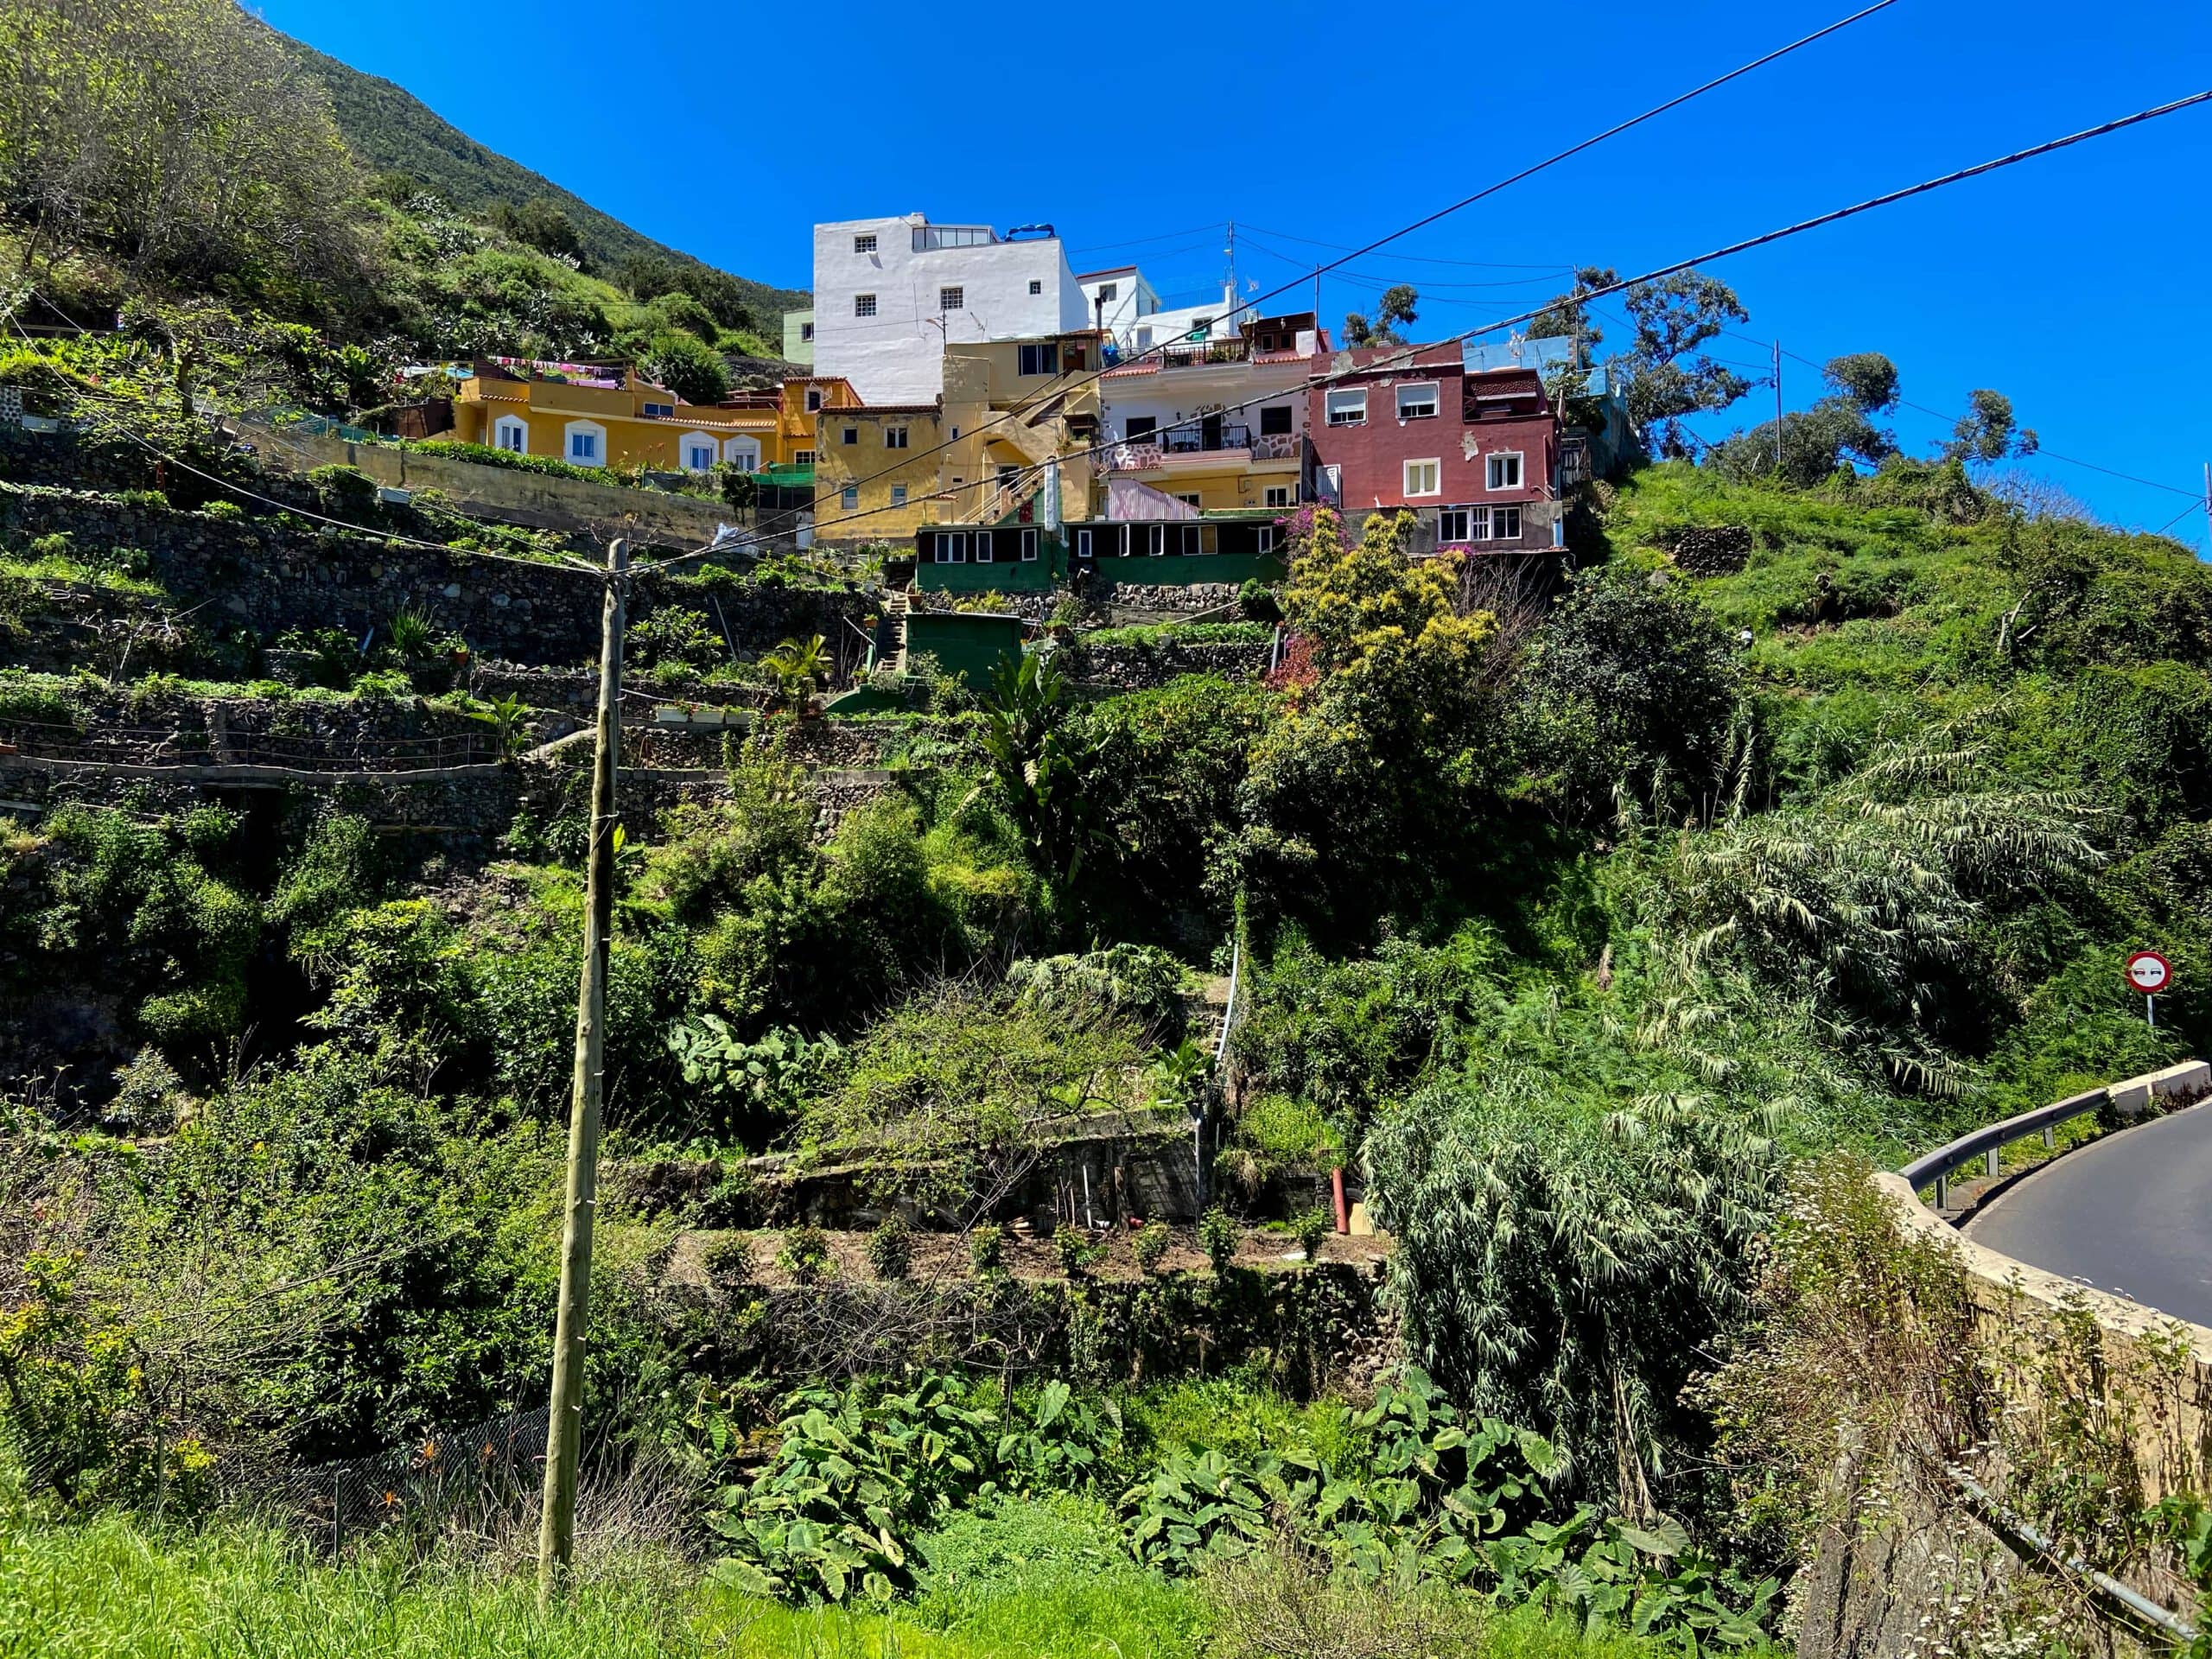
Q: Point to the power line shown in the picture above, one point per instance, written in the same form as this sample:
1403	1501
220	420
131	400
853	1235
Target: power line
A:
1528	172
1377	279
1415	258
1398	357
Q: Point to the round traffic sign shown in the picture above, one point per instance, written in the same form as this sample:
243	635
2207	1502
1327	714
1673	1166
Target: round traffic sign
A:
2148	972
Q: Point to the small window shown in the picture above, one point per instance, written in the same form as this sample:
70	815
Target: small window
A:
1029	547
952	299
849	497
1109	291
864	244
1041	359
806	331
952	549
1278	495
1035	286
1347	409
1192	498
894	437
897	495
1417	403
983	547
1275	421
1190	543
1502	472
512	435
863	305
701	457
1505	523
662	409
1082	544
1155	536
1140	429
1423	478
1267	342
813	399
583	446
1265	543
1144	339
851	434
1452	525
802	458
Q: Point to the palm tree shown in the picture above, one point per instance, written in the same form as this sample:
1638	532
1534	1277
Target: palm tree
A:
794	668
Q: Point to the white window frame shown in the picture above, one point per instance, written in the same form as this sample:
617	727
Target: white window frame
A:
1344	407
805	332
952	547
1465	526
894	437
1434	479
1192	498
1029	547
510	426
691	440
591	429
953	297
1492	466
1498	530
1271	491
814	400
1417	412
1155	540
848	499
864	243
742	453
897	495
1035	353
863	305
1109	292
1267	538
983	547
803	458
1082	544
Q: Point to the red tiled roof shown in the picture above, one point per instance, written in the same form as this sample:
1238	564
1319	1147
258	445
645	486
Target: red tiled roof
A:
1150	365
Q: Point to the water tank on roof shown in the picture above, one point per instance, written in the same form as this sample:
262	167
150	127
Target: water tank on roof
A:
1028	230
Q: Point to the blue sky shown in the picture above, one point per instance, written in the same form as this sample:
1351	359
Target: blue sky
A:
2075	284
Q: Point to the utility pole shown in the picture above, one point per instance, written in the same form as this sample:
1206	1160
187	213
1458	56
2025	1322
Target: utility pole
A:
1777	406
2208	509
556	1536
1317	315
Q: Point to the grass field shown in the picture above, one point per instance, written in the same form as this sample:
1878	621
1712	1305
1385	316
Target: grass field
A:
115	1590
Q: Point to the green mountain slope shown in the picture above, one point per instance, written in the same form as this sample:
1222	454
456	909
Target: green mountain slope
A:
393	131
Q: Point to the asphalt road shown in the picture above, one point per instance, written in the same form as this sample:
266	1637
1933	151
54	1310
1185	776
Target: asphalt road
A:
2132	1212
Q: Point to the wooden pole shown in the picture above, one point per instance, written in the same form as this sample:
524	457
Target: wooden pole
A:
556	1536
1777	406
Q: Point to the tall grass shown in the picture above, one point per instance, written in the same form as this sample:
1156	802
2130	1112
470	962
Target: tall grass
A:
109	1589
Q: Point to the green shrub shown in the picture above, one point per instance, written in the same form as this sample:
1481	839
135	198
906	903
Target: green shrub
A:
1073	1246
1311	1230
891	1249
728	1263
986	1247
1219	1236
1150	1246
805	1255
229	511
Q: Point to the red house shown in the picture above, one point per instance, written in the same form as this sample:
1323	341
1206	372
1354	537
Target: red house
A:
1474	456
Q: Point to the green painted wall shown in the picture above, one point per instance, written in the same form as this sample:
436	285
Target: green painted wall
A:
1180	571
967	645
1036	576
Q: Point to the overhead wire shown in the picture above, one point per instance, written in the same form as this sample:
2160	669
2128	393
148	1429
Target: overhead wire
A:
1489	190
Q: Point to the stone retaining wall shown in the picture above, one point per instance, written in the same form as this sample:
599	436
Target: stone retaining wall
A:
269	578
1133	668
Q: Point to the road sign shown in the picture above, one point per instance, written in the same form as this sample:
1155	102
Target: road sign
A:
2149	972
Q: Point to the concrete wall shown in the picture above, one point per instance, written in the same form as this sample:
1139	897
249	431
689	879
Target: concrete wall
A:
799	338
896	355
506	494
967	645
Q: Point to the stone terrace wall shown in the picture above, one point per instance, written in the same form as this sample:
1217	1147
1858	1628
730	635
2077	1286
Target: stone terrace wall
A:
1135	667
270	578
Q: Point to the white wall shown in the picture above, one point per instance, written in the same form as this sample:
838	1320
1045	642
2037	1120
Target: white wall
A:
1174	396
1162	327
897	356
1133	298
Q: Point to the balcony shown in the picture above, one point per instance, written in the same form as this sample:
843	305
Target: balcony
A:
928	238
1192	353
1188	446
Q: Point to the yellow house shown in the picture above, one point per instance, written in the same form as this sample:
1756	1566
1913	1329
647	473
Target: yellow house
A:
1010	405
610	416
975	456
875	472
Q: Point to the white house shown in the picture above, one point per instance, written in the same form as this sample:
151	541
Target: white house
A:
1114	298
889	293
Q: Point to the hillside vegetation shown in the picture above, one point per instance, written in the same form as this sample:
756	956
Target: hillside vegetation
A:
1599	923
391	131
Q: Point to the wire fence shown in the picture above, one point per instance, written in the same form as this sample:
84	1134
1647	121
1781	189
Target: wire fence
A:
465	1477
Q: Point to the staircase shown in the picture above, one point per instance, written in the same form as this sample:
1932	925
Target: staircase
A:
896	605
